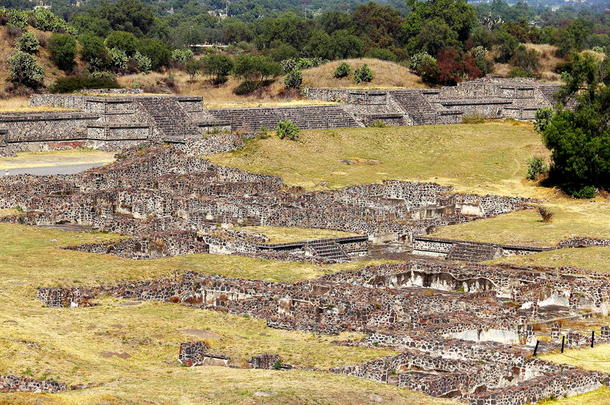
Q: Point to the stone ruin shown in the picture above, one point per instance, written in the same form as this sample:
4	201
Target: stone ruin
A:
463	330
11	383
171	203
111	120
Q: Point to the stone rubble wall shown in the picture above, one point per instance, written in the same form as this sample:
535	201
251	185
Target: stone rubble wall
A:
11	383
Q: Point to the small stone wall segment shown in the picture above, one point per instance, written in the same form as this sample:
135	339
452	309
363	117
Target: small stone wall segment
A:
11	383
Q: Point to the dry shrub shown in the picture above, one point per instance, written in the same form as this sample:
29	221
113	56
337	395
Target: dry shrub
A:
546	214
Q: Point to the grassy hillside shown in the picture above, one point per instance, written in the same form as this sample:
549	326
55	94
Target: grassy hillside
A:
386	75
7	48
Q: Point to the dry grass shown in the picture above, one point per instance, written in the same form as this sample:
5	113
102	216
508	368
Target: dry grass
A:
385	75
55	158
596	359
287	235
483	158
548	60
593	258
599	396
68	344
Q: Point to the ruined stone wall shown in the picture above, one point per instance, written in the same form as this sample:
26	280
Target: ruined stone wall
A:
311	117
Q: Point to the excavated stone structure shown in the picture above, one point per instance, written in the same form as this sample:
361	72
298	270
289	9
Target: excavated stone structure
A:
11	383
492	98
173	203
454	325
111	120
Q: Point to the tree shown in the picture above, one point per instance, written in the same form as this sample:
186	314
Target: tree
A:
24	70
379	25
319	45
381	54
63	50
90	24
255	68
128	15
125	41
345	45
283	52
193	67
94	51
526	59
156	50
579	139
458	15
218	65
27	43
434	36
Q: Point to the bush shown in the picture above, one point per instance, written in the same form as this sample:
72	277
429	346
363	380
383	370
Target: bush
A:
193	67
247	87
217	65
526	59
255	68
63	50
287	130
143	63
417	61
382	54
342	70
536	167
125	41
27	43
181	56
293	79
24	70
71	84
543	117
377	124
118	60
545	214
363	74
520	72
289	65
582	192
156	50
94	52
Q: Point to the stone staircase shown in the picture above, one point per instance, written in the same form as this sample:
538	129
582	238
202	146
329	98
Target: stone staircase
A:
328	249
473	252
169	117
416	106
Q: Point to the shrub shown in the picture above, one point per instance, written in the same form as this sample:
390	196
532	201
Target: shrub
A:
255	68
377	124
247	87
143	62
94	52
181	56
289	65
118	60
417	61
156	50
546	214
582	192
24	70
63	50
287	130
342	70
125	41
543	117
363	74
520	72
217	65
71	84
294	79
527	59
193	67
536	167
27	43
